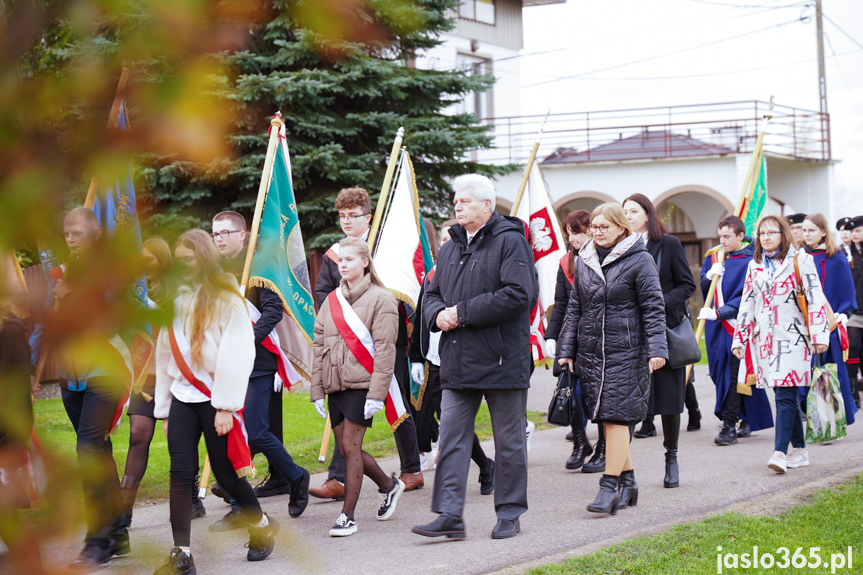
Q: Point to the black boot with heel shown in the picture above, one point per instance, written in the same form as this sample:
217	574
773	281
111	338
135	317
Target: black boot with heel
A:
628	490
608	498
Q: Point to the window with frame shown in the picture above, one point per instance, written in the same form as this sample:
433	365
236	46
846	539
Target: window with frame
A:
478	10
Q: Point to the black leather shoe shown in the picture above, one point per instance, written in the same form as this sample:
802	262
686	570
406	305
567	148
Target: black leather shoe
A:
262	540
694	420
727	435
233	519
628	490
743	429
91	558
581	449
217	490
198	509
608	498
486	478
275	484
597	462
505	529
647	429
444	526
299	495
178	563
672	472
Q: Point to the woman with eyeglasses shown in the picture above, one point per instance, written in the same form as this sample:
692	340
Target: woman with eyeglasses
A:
668	387
614	329
780	337
834	271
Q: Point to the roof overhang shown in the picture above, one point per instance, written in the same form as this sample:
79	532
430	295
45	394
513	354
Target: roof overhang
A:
528	3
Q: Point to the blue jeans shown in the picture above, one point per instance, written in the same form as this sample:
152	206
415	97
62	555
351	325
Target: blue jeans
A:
789	423
261	439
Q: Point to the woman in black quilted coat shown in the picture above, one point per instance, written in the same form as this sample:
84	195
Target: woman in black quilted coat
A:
614	329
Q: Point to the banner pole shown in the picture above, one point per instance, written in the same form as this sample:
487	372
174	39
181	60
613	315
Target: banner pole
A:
276	124
385	188
325	442
526	175
112	120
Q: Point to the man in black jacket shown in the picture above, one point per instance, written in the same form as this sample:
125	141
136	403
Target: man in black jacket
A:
229	234
855	322
481	297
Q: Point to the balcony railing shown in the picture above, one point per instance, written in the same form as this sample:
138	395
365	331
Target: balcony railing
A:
661	132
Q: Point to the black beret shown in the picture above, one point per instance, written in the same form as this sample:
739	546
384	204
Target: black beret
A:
855	223
796	218
843	224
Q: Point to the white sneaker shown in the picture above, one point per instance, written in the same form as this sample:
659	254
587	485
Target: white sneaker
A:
424	464
344	526
798	457
528	432
777	462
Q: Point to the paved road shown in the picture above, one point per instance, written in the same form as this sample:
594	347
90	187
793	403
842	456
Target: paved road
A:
713	480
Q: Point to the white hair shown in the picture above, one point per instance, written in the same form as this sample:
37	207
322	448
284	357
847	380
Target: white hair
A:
479	186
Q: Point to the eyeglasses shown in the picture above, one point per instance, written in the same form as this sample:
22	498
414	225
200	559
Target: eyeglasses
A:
769	234
348	217
601	228
225	233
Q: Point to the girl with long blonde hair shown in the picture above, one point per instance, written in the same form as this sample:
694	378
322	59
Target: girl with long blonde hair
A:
203	363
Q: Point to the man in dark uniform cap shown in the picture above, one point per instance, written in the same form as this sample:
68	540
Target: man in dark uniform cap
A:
843	226
855	322
796	221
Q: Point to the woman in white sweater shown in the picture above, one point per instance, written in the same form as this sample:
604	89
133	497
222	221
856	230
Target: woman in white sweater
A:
203	362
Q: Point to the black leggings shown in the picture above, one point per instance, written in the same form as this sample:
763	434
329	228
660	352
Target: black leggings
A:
186	422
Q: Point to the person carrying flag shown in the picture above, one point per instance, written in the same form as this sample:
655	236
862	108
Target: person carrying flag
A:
95	370
229	235
355	215
204	360
355	345
753	411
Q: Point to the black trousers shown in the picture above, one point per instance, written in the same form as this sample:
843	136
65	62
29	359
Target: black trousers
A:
855	350
730	412
91	412
405	434
186	423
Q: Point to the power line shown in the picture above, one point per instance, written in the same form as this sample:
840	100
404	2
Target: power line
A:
847	35
665	55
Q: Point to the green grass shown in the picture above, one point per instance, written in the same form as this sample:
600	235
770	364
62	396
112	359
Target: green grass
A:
303	431
832	521
702	345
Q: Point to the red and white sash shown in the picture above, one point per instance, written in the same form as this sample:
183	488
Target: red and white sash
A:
238	440
285	372
359	340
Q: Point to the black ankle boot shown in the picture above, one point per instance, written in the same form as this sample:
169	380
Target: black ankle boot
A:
694	420
628	490
672	472
580	450
608	498
647	429
597	462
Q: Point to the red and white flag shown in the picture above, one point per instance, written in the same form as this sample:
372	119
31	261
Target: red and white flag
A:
359	340
547	242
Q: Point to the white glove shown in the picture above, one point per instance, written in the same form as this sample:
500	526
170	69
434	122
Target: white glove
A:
716	269
843	319
551	347
372	407
418	373
319	407
278	384
708	313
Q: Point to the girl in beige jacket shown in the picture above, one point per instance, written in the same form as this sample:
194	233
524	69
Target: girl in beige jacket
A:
355	385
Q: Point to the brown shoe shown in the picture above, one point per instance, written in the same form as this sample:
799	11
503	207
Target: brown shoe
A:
331	489
412	481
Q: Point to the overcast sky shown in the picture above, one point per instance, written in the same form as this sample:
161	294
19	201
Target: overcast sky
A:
589	35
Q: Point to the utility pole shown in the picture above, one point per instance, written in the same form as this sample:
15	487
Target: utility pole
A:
822	85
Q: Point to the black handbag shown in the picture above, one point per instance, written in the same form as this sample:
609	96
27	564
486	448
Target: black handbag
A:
560	409
683	349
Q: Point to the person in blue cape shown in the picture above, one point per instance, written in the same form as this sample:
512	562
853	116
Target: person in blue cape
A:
753	412
838	285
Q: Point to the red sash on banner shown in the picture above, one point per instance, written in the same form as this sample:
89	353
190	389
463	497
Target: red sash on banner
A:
285	369
359	341
238	443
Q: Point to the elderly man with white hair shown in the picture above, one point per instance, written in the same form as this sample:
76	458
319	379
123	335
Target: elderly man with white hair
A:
480	298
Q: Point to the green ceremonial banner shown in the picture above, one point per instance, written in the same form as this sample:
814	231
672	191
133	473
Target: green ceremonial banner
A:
757	200
279	262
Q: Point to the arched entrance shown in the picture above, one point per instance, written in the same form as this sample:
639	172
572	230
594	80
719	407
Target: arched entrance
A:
692	213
